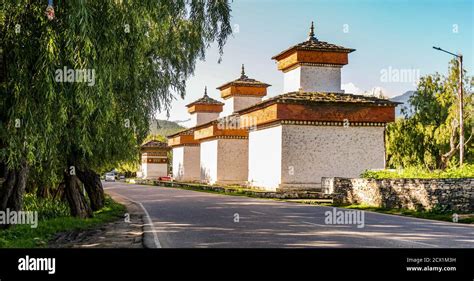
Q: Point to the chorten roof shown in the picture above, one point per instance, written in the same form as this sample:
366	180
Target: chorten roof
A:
321	97
155	143
244	80
205	100
185	131
313	44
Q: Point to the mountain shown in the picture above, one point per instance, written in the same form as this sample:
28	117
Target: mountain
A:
164	127
404	99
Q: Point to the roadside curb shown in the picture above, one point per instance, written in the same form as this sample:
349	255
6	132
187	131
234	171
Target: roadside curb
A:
296	194
149	238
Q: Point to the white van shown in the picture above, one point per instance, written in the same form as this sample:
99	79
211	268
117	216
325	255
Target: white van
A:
109	177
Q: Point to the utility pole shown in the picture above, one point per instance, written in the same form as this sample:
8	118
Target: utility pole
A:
461	115
461	106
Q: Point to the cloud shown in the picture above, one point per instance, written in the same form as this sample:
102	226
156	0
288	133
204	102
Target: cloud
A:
378	92
350	88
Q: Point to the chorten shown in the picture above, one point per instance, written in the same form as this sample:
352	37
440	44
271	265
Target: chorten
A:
242	92
314	130
313	65
154	158
290	141
204	109
186	149
224	144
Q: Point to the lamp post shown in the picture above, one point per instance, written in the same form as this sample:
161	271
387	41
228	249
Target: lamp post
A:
461	114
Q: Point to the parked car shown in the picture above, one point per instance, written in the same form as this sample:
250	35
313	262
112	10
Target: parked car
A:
109	177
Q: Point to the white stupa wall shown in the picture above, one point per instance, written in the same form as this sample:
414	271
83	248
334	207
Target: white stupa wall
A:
312	152
236	103
232	158
198	118
154	170
208	166
298	156
311	78
265	148
224	161
186	163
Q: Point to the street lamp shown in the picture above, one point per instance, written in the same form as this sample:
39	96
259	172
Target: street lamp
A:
461	114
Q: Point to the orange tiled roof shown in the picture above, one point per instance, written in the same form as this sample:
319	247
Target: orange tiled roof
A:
321	97
205	100
155	143
313	44
244	80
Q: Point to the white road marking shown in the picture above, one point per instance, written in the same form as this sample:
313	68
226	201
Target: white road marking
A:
255	212
147	216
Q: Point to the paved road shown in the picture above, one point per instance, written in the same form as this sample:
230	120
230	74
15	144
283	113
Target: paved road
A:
191	219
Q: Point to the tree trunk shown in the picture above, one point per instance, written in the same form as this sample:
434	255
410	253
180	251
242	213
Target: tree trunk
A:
59	193
93	187
15	202
7	188
12	190
453	148
42	191
75	197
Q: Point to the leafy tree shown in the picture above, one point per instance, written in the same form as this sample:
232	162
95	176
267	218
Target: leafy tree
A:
428	136
141	53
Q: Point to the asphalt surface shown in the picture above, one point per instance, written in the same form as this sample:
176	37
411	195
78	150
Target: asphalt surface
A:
191	219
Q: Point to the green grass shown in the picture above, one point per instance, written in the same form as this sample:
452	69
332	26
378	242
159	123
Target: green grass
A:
47	208
23	236
434	214
233	190
467	171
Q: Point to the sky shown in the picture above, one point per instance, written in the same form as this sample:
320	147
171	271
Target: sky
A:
390	37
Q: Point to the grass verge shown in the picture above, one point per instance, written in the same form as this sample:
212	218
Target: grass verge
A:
23	236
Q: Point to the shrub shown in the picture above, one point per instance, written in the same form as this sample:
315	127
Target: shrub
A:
47	208
467	171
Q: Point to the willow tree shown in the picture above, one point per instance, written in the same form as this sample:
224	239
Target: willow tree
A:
83	85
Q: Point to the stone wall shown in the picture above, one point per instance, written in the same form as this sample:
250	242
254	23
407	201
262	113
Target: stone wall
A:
414	194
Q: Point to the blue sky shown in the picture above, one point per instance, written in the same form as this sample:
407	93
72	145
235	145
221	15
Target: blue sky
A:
391	34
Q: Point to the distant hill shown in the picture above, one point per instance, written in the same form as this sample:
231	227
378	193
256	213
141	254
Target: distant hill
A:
404	99
164	127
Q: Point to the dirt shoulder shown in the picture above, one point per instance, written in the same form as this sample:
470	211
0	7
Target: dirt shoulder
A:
125	232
